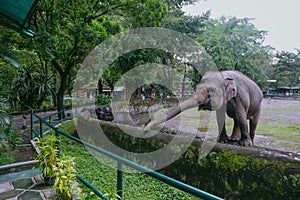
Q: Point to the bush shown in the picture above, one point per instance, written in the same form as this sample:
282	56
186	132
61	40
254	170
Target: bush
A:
47	153
65	182
8	140
102	99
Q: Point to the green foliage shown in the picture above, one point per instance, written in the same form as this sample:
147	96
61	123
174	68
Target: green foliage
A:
6	157
29	88
67	31
236	44
287	69
148	13
75	27
294	180
226	174
103	176
227	161
65	182
8	140
243	175
7	74
102	99
47	154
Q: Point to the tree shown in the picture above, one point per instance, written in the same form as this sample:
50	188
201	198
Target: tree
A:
66	31
236	44
287	69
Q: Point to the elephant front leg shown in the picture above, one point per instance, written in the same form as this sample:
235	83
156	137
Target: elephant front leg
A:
236	132
245	137
223	138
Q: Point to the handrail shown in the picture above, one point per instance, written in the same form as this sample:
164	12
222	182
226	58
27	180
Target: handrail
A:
170	181
43	129
91	187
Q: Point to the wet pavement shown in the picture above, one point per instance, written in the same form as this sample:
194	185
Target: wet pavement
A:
25	185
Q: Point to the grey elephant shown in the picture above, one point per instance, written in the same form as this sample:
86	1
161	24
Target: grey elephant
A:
228	92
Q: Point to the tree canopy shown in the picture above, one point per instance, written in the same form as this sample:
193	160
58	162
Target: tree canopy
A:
34	69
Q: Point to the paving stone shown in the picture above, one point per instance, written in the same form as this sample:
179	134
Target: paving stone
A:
39	178
9	194
41	186
23	183
13	198
4	187
30	195
19	175
16	187
50	193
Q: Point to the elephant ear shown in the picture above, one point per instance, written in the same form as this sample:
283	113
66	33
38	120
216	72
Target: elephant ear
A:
230	88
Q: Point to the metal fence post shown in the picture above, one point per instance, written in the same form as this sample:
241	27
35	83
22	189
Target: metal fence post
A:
41	128
120	180
32	124
57	134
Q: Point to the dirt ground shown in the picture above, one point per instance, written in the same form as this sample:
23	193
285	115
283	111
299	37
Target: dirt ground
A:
25	152
274	111
277	113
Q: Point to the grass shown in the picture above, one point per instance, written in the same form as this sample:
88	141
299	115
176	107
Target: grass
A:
7	157
288	134
283	135
8	145
100	171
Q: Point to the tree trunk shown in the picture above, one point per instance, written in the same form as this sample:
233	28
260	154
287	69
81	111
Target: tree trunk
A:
60	96
60	106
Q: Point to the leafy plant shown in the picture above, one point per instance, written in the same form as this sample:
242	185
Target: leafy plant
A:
47	155
102	99
65	182
4	119
8	140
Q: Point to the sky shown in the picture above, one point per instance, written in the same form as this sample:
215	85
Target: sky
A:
281	18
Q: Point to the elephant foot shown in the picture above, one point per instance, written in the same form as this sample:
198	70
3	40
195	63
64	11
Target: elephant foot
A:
245	142
223	139
233	138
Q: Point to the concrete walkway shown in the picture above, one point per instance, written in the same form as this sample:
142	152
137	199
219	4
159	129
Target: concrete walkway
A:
25	185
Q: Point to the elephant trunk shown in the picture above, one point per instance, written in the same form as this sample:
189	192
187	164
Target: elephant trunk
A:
187	104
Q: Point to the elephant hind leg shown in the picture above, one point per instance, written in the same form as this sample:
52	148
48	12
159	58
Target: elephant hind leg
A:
253	124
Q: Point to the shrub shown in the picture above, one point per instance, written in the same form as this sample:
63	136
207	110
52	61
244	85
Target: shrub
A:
102	99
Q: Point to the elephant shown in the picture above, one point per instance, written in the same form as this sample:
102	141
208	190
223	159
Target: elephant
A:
228	92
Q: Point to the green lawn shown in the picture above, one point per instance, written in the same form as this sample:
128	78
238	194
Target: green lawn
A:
100	171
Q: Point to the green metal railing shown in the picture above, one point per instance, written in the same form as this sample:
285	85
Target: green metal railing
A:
54	119
120	162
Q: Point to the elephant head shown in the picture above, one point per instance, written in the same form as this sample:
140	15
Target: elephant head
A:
211	93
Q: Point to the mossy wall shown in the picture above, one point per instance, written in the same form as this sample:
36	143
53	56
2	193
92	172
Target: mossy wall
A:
227	171
234	176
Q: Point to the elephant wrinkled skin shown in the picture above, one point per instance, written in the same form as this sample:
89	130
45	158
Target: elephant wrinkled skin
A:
231	92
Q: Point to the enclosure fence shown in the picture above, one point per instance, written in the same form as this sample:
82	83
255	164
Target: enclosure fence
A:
47	123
